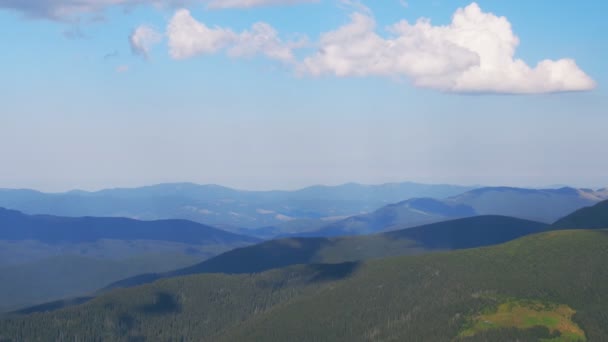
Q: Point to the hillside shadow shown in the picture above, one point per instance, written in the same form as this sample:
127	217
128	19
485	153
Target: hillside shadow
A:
164	303
126	322
332	272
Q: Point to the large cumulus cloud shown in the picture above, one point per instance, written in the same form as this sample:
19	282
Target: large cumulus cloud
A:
474	53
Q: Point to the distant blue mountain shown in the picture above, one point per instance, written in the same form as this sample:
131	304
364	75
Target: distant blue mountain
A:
17	226
215	205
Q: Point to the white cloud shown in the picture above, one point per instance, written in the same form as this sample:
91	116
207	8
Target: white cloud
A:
143	39
356	50
70	9
189	37
261	39
474	53
253	3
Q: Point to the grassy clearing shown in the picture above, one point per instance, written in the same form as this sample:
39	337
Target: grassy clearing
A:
520	314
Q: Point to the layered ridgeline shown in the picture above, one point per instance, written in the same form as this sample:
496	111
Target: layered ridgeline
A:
213	204
72	256
442	236
545	205
551	286
349	209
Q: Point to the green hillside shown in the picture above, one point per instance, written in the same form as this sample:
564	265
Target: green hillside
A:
551	286
588	218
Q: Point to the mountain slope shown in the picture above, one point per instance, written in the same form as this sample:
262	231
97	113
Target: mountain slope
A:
456	234
544	205
55	229
409	213
434	297
589	218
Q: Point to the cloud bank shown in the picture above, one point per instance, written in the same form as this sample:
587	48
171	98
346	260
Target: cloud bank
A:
64	10
475	53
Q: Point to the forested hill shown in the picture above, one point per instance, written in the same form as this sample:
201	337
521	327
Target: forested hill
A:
528	289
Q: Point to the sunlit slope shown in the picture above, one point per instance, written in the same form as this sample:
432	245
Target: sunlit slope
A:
435	297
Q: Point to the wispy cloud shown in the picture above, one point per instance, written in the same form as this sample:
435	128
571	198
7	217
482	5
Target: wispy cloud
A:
188	38
111	55
142	39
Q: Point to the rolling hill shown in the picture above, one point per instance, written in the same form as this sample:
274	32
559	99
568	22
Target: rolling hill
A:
449	235
73	256
548	286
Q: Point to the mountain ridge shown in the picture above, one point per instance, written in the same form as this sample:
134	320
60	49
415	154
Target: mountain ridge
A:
214	204
456	234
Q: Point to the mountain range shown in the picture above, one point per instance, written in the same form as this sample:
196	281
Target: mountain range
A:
548	286
104	250
218	205
349	209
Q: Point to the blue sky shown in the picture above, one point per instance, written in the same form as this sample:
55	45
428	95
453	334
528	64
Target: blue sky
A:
80	109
